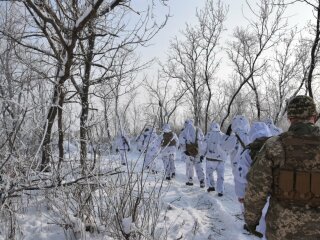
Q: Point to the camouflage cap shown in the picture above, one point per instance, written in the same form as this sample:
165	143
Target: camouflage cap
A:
301	107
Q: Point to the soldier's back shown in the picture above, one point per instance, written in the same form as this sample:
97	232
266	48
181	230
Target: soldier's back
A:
294	211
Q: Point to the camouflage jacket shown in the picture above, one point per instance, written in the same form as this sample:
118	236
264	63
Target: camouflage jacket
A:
282	221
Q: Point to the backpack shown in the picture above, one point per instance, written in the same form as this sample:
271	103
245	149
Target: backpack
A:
297	181
168	139
193	148
256	146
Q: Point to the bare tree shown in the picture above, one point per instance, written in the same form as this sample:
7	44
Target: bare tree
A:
114	49
285	76
165	98
59	24
193	61
182	65
246	51
211	22
52	44
315	44
64	28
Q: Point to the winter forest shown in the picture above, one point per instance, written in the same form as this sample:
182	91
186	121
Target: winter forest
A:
74	77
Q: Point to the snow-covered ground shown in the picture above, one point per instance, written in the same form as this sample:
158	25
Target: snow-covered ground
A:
190	211
198	215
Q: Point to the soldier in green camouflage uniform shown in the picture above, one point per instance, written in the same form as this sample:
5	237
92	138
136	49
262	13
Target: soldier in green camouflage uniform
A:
288	170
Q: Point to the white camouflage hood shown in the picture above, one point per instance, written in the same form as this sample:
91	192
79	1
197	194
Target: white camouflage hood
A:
258	130
215	127
240	124
166	128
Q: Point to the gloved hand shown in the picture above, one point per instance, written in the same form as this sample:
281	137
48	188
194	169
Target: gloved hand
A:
129	149
201	158
252	230
117	150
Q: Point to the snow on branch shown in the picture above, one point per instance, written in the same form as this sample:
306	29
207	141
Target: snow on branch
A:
111	7
19	188
85	17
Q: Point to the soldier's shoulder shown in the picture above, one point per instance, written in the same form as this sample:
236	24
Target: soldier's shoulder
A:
273	145
275	140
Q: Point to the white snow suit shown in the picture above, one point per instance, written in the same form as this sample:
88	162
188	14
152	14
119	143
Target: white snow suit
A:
188	136
258	130
122	144
143	140
152	149
275	131
182	147
169	143
215	157
233	146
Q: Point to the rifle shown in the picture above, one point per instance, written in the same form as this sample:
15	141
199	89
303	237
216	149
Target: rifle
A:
240	140
142	130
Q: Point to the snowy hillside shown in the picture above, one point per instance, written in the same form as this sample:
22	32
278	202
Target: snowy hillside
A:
188	212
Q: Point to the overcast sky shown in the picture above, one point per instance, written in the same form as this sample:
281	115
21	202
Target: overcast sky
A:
183	11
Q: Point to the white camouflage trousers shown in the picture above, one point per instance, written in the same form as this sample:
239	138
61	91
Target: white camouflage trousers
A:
191	163
123	156
217	166
168	164
150	161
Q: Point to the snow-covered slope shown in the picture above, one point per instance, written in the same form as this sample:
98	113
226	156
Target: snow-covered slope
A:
190	212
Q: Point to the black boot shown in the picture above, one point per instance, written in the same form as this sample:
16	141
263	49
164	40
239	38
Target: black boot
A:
211	189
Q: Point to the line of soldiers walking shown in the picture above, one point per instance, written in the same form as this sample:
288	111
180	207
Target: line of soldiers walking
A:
275	174
195	148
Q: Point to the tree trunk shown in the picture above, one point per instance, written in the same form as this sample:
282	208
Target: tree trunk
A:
85	100
234	97
106	119
258	105
84	132
206	120
46	146
60	127
314	50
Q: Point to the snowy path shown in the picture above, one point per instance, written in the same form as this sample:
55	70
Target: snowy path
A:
197	214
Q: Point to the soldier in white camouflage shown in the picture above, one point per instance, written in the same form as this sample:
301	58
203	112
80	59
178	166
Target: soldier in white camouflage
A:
169	144
288	170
